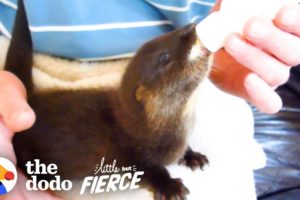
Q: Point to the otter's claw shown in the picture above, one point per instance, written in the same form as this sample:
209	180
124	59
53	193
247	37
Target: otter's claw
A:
194	160
173	190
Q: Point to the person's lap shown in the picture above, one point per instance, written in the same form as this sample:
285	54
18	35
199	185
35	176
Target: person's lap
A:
279	136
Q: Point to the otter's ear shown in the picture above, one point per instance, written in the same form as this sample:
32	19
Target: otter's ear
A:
142	94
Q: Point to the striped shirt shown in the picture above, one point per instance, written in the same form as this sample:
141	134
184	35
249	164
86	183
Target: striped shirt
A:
100	29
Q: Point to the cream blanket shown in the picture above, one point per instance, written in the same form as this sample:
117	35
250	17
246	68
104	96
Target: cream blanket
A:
223	132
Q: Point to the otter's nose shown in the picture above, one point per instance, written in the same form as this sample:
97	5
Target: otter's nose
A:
188	30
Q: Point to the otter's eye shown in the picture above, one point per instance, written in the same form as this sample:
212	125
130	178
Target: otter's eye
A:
164	58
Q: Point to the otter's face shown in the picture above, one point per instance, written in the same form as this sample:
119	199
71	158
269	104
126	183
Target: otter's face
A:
166	70
175	61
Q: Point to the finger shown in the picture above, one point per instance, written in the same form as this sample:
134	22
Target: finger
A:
21	193
217	5
271	70
17	115
264	34
33	195
244	83
15	194
6	148
37	195
238	80
261	95
288	19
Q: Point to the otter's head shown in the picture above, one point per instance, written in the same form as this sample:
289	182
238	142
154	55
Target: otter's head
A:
164	73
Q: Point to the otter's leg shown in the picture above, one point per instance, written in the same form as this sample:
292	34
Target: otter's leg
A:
165	187
193	159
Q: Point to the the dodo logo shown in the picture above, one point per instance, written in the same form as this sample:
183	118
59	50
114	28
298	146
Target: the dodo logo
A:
8	176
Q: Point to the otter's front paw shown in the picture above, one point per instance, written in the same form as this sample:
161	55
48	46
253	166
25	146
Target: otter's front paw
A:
174	189
193	159
163	186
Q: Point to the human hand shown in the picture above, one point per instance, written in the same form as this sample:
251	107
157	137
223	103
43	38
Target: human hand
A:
253	65
16	116
15	112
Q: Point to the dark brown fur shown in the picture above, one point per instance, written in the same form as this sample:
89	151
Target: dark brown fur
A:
140	124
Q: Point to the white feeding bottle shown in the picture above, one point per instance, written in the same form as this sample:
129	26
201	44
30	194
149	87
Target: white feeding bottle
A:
231	18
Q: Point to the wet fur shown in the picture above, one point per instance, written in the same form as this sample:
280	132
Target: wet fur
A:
142	123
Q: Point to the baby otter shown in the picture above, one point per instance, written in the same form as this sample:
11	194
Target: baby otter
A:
143	123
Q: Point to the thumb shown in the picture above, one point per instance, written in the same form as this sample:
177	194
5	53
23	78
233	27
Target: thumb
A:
6	148
16	113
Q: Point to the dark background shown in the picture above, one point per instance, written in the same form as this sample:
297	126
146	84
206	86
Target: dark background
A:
279	136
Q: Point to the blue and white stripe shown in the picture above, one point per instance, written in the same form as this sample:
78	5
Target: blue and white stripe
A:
182	6
97	30
97	27
11	4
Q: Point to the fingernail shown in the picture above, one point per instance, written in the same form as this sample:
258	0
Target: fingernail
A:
257	30
289	17
21	115
273	106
